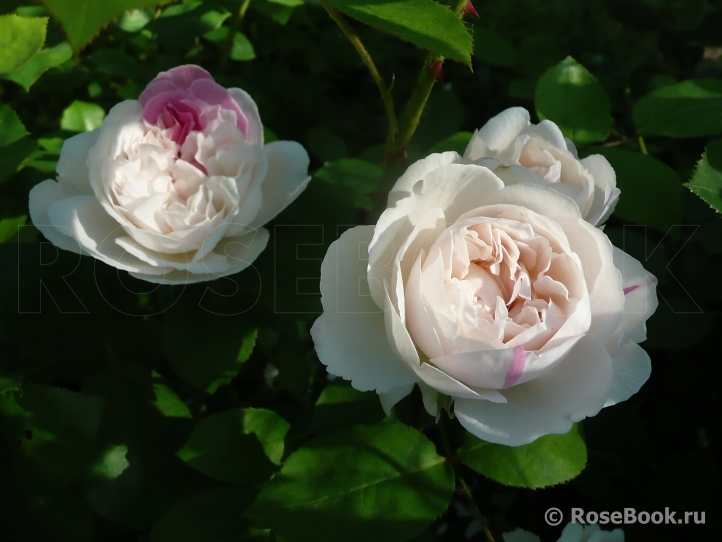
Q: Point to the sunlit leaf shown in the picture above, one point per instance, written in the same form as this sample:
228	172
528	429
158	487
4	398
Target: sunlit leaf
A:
82	117
549	460
9	227
20	39
706	181
28	73
82	20
425	23
383	479
11	127
573	98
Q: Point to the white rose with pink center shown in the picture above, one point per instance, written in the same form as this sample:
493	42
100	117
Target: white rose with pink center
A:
500	298
173	187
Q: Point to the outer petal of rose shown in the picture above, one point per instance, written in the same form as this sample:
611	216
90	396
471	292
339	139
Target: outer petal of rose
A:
350	335
254	130
578	387
417	171
498	133
502	368
394	395
72	169
286	177
404	348
632	368
640	298
604	281
239	252
96	232
542	200
42	196
606	193
519	535
454	188
549	132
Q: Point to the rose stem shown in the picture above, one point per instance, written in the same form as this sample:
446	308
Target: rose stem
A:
396	147
366	58
451	458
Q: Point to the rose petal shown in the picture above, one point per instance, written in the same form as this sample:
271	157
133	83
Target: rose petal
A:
350	336
72	169
42	196
419	170
632	368
606	193
498	133
576	388
286	177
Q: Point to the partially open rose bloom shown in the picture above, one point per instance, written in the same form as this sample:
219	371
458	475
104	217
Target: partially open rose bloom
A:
174	187
500	298
521	152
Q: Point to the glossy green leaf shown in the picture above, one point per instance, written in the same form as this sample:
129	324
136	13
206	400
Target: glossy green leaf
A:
570	96
548	461
82	20
227	343
690	108
213	515
14	157
651	190
82	117
383	479
11	127
706	181
242	49
168	402
112	462
492	48
360	176
20	39
9	227
341	407
425	23
28	73
237	446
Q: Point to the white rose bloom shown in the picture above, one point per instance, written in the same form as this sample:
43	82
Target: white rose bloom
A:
573	532
521	152
501	297
174	187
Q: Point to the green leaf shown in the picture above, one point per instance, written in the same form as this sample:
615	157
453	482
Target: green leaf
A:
28	73
237	446
383	479
289	3
112	462
9	227
14	156
573	98
492	48
691	108
20	39
651	190
341	407
458	142
425	23
706	180
82	20
168	402
213	515
549	460
9	383
360	176
242	49
82	117
11	127
226	343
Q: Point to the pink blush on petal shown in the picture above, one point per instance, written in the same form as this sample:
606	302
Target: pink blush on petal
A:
630	289
518	363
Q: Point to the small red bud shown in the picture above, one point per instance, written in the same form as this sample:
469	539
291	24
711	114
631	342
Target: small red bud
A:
437	69
469	9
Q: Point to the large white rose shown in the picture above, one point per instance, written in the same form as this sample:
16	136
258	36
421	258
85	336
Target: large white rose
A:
521	152
174	187
502	298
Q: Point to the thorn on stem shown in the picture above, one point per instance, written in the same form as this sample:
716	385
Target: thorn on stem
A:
437	70
469	9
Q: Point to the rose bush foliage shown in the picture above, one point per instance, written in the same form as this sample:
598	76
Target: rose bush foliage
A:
499	297
174	187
